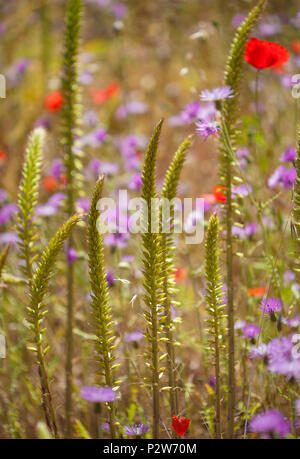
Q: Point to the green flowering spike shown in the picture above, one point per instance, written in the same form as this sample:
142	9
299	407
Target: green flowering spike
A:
152	270
215	307
36	313
296	212
229	115
167	249
28	198
3	258
71	112
102	318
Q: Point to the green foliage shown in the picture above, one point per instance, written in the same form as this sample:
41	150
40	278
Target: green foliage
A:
3	258
71	105
28	198
167	249
152	270
36	312
215	307
102	317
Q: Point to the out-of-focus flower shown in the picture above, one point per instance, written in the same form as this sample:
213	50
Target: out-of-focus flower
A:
120	10
86	78
94	138
9	237
137	430
271	424
180	274
296	46
216	94
242	155
84	204
270	26
7	212
98	394
50	184
284	176
180	425
218	193
250	331
57	168
131	108
72	255
102	95
110	278
119	240
212	382
242	190
135	182
289	155
207	128
238	19
90	118
260	351
134	336
256	291
3	157
3	195
263	54
17	71
54	101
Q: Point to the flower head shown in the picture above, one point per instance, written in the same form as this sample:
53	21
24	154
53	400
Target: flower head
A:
218	193
263	54
270	305
250	331
224	92
271	423
137	430
98	394
54	101
207	128
180	425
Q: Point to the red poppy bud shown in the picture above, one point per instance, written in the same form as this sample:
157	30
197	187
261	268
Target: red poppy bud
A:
54	101
218	194
180	426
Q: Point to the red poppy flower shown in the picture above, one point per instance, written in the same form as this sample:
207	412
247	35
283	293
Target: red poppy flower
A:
180	274
101	95
296	46
218	193
263	54
256	291
50	184
54	101
3	156
180	426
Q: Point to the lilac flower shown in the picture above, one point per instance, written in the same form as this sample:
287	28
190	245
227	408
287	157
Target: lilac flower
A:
131	108
250	331
119	240
7	212
260	351
288	277
135	182
238	19
72	255
137	430
270	305
134	336
271	423
94	138
192	112
207	128
56	199
289	155
9	238
216	94
284	176
98	394
110	278
84	204
242	190
57	168
120	10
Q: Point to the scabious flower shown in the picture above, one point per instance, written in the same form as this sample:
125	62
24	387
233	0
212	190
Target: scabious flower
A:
180	425
216	94
208	128
98	394
270	305
271	424
137	430
54	101
263	54
250	331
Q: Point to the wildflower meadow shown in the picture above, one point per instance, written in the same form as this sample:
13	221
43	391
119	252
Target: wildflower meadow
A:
149	220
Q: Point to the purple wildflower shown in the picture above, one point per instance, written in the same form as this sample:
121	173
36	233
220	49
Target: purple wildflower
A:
7	212
72	255
238	19
16	72
120	10
207	128
9	238
110	278
284	176
250	331
134	336
270	305
289	155
137	430
57	168
289	276
131	108
136	182
119	240
98	394
216	94
271	423
260	351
